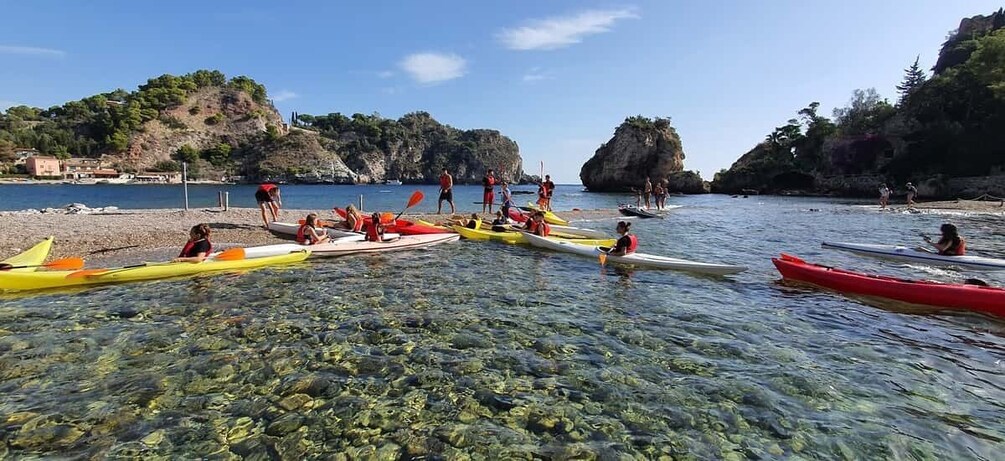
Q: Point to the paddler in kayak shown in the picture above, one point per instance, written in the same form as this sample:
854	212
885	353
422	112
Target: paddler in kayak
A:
536	225
627	243
353	219
269	197
308	234
375	231
950	244
499	224
474	222
198	246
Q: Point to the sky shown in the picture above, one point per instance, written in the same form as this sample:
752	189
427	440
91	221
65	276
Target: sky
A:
555	76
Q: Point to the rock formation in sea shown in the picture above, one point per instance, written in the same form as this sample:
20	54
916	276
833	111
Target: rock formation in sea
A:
641	147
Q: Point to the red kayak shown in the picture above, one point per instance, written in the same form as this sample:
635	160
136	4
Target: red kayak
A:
517	215
400	226
947	295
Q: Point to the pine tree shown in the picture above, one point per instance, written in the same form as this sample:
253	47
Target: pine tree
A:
914	77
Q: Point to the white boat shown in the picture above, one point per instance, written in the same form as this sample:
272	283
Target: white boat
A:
392	182
636	259
579	231
914	255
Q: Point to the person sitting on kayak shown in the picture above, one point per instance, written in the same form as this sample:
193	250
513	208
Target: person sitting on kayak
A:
198	246
627	243
375	231
353	219
474	222
951	244
308	234
536	225
499	224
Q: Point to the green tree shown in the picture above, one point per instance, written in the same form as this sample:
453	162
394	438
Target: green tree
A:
218	155
117	141
167	165
865	113
914	77
186	153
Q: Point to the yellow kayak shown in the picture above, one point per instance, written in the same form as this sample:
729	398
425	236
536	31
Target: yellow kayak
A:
513	237
42	280
34	256
549	217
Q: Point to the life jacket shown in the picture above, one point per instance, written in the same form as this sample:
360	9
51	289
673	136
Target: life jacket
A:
357	226
372	235
302	234
544	228
489	183
444	181
191	244
958	250
633	244
531	226
267	187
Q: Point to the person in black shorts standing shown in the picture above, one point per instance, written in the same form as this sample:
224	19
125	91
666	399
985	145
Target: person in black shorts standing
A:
446	192
268	197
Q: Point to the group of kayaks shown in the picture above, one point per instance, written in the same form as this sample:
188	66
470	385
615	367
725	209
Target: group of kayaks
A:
972	296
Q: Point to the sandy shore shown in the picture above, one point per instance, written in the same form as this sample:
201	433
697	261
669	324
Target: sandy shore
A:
964	205
103	235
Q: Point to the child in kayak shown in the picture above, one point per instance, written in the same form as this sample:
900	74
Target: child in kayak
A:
950	244
353	219
536	225
308	234
474	222
627	243
375	231
498	224
198	246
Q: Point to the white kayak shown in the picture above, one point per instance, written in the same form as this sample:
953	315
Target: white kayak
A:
636	259
914	255
286	248
579	231
391	243
287	228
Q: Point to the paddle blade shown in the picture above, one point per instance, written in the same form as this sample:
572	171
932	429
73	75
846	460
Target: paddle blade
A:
415	199
386	217
66	264
86	273
233	254
603	258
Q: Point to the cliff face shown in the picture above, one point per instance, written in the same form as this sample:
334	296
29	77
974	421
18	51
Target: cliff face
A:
414	148
640	148
946	134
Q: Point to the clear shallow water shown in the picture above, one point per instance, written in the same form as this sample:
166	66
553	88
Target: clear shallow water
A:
498	351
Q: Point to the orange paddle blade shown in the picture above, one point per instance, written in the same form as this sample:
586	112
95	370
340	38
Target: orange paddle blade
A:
415	199
233	254
86	273
66	264
386	217
603	258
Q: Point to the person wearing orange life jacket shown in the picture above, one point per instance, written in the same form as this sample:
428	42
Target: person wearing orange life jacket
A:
268	197
950	244
353	219
628	242
536	225
375	231
198	247
307	233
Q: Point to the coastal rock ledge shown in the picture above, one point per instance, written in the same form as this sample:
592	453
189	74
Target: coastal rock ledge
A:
640	147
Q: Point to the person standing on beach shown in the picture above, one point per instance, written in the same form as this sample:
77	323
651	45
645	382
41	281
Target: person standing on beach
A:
446	192
489	183
884	196
549	191
647	192
269	197
911	193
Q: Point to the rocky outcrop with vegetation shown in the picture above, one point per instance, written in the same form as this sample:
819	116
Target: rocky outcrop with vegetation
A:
227	128
414	148
946	132
641	147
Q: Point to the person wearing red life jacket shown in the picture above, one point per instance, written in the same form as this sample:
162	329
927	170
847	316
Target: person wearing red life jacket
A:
950	244
375	230
489	195
628	242
536	225
269	197
198	247
308	234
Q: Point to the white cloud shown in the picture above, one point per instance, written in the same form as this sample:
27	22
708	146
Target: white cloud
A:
431	68
385	74
284	95
31	51
560	32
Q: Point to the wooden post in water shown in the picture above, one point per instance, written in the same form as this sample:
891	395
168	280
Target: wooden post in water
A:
226	201
184	181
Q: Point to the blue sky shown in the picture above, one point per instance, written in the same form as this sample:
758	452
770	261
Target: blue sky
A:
556	76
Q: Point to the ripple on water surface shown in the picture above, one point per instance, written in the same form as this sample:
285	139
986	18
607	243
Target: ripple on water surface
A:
504	351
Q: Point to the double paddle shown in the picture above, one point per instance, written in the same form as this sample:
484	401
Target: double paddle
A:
388	218
66	264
